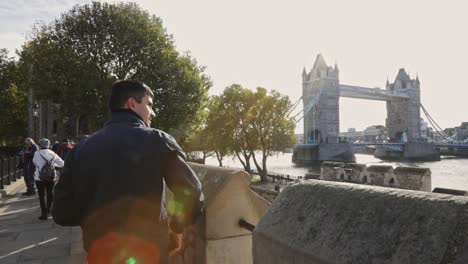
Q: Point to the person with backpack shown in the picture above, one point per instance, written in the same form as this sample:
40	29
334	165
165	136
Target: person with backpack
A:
45	161
27	154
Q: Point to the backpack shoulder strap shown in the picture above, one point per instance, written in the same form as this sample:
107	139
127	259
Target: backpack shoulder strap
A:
48	161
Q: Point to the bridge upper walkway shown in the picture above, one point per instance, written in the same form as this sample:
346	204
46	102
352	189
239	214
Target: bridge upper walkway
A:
359	92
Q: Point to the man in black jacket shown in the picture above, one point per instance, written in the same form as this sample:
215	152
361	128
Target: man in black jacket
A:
112	184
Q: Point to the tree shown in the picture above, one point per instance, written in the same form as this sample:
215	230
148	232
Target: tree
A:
13	102
273	130
232	113
244	122
76	58
217	133
197	142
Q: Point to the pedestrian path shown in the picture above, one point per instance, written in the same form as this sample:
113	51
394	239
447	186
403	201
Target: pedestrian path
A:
26	239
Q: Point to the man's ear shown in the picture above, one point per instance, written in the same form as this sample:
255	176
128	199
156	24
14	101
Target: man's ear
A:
130	104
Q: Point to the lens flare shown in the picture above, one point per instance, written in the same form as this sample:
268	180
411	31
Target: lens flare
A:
131	260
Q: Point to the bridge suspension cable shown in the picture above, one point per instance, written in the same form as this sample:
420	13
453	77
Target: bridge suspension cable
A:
298	120
294	106
434	124
297	114
308	107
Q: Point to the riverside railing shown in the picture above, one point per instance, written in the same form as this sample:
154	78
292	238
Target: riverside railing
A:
9	171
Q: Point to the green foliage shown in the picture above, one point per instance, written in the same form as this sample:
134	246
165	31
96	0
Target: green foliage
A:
77	57
13	102
247	123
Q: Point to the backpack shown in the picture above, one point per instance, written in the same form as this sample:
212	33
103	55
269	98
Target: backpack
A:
47	172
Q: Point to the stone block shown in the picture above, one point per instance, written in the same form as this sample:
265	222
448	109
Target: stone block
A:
354	172
413	178
328	168
331	222
379	174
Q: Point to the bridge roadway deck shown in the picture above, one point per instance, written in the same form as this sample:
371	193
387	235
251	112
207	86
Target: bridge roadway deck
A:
25	239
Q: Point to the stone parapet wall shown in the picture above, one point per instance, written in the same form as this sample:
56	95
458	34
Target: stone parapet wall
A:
266	194
411	178
331	222
217	236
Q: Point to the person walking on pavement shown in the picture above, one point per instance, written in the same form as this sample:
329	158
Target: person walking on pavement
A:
27	154
45	185
64	148
112	184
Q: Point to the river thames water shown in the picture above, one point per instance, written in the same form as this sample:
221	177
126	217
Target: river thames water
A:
450	172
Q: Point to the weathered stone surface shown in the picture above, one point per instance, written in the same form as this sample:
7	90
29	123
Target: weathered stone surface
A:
330	222
411	178
268	195
218	237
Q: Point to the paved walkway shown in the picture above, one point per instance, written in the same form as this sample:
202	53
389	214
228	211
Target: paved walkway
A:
25	239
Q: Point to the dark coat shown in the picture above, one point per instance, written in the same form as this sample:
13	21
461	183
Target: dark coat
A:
113	182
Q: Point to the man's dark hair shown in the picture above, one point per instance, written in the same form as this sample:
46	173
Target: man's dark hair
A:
124	89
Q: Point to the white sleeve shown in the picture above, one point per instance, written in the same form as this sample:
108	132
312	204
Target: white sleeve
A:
35	158
58	162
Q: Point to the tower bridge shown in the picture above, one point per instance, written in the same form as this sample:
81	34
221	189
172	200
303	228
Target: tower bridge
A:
321	92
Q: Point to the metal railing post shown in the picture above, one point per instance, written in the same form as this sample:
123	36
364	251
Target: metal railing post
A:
9	169
13	168
17	174
6	174
19	169
1	173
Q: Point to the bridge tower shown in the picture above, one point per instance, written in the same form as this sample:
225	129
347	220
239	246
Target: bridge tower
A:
403	115
321	123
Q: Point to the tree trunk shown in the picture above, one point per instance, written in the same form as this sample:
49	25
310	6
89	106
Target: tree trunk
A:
246	162
204	157
219	157
261	169
264	161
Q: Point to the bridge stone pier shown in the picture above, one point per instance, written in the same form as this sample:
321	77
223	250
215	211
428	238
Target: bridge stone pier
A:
321	93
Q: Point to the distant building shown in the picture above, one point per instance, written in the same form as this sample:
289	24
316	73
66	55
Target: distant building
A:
371	134
424	128
375	134
352	135
461	132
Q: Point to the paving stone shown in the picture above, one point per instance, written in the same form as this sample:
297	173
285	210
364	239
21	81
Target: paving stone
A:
35	261
42	252
31	235
25	239
15	246
9	259
74	259
77	248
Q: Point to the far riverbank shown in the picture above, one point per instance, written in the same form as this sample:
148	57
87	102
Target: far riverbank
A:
448	173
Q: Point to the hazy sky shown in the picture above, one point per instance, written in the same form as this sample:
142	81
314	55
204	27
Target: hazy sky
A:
267	43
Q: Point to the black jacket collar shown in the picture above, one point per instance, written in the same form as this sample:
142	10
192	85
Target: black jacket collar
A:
125	116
